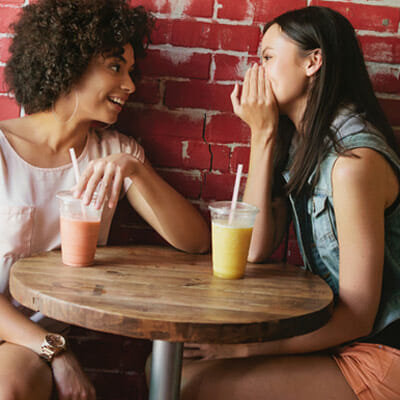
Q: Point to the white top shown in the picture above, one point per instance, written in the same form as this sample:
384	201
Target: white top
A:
29	214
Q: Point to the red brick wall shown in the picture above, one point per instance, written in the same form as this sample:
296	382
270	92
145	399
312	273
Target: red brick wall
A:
182	115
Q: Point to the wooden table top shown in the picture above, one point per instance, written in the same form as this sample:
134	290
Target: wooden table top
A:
160	293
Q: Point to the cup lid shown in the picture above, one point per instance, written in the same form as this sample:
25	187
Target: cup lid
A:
224	208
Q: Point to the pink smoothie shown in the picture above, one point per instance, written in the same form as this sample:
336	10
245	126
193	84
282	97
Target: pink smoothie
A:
78	241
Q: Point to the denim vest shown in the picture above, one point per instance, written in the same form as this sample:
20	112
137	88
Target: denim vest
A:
315	224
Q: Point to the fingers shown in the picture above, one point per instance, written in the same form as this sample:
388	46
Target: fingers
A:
235	99
261	83
116	188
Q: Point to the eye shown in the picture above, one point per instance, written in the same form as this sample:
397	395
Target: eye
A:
115	67
266	58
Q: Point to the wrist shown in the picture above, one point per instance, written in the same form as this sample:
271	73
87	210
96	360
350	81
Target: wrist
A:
52	346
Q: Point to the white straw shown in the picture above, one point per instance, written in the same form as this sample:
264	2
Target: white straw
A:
74	164
235	192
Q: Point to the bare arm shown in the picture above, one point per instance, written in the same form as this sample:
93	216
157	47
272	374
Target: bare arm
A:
169	213
257	107
362	189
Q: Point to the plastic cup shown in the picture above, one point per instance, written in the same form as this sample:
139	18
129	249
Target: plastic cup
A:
231	241
79	227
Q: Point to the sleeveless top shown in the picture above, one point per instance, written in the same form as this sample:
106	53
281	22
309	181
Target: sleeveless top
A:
29	214
315	224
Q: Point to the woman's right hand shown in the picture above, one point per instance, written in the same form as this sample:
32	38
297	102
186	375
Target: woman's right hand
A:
71	382
257	105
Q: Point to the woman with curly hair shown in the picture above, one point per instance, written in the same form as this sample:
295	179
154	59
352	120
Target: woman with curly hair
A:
71	68
323	153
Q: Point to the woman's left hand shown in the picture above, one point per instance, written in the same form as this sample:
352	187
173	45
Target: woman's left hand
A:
109	172
196	351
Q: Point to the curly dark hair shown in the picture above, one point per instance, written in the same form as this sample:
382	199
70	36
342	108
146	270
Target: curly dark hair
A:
55	40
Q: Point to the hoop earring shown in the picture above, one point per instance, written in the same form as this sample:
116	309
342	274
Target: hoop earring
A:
73	112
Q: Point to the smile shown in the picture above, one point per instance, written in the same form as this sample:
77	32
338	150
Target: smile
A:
117	100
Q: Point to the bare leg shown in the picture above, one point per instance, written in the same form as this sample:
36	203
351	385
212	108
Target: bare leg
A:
303	377
23	376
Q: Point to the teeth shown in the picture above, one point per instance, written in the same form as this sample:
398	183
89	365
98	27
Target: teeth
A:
117	100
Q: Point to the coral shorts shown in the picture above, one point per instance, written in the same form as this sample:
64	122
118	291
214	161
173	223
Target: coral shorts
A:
371	370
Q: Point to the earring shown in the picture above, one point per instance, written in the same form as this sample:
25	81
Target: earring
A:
73	112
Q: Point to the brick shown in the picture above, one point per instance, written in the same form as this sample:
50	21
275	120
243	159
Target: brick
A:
8	16
198	94
196	155
226	128
8	108
240	155
218	186
293	254
215	36
381	49
162	31
147	92
220	157
187	183
4	45
3	85
236	10
385	79
158	6
202	8
266	10
257	10
13	2
151	122
176	63
175	153
232	68
391	107
364	16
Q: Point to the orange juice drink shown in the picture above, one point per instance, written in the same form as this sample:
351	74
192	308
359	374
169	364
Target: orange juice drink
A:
78	241
230	247
79	229
231	236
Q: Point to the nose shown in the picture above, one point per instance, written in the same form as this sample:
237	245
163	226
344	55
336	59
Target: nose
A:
127	84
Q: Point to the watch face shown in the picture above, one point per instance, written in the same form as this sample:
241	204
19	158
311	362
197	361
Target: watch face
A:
55	340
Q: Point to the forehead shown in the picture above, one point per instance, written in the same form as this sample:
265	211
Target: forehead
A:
274	38
127	54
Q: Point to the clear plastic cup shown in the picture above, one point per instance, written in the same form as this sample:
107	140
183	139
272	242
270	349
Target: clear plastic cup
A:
231	238
79	227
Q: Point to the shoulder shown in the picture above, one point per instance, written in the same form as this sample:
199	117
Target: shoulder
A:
111	141
358	164
364	174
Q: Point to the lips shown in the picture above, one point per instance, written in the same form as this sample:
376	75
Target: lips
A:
117	100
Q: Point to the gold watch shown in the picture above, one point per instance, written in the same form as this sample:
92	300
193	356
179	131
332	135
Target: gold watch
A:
53	344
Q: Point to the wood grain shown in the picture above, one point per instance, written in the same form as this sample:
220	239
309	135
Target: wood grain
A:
160	293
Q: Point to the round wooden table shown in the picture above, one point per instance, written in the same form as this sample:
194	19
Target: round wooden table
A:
171	297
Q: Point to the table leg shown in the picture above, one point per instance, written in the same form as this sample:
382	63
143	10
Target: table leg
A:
166	366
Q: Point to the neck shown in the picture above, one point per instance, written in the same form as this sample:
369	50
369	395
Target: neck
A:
57	135
296	112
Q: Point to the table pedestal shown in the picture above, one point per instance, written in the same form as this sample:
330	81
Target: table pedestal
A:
166	365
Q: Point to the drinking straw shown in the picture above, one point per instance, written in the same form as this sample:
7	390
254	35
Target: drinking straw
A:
76	172
74	164
235	192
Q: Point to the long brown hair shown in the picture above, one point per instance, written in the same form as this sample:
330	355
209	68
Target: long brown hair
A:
342	80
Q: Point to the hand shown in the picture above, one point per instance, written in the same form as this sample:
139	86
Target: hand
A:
257	106
110	172
214	351
71	382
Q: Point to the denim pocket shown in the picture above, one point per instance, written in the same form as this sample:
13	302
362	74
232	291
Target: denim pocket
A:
324	228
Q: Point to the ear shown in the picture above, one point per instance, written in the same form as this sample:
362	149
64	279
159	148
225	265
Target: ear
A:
313	63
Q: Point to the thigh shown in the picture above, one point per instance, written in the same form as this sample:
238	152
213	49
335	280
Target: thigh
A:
23	374
303	377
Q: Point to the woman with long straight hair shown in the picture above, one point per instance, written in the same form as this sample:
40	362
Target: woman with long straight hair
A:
323	154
